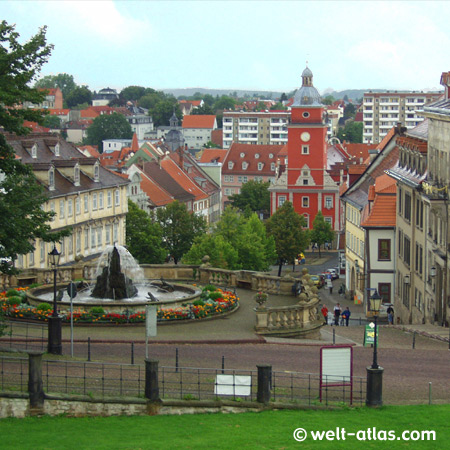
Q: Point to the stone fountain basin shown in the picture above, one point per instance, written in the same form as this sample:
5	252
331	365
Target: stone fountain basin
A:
44	293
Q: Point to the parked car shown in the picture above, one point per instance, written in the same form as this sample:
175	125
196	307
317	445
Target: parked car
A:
334	273
319	280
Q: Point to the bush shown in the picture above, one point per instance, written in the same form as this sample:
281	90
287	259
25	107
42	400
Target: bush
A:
44	307
198	303
12	293
14	300
209	287
98	310
215	295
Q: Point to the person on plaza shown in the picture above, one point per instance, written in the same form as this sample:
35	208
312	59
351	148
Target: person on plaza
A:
390	314
337	313
324	311
346	316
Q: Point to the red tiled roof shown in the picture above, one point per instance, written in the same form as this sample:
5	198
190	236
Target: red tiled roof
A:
134	143
213	155
157	194
383	213
199	121
386	139
35	127
371	194
356	169
359	150
58	112
91	150
385	184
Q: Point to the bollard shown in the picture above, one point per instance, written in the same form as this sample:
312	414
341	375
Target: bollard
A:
264	382
132	353
176	359
35	384
414	340
89	348
223	364
151	380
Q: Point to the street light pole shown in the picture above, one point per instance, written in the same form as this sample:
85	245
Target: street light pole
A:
374	394
54	322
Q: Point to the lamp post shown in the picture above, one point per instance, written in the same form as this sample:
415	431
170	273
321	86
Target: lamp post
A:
374	395
54	322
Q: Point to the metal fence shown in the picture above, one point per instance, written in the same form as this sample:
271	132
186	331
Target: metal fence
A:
186	383
24	335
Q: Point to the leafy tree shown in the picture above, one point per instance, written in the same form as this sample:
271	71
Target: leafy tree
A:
132	93
180	227
111	126
208	99
203	110
321	231
211	144
162	112
352	132
63	81
151	99
53	122
328	100
78	96
254	197
278	107
22	217
224	102
349	111
287	228
143	236
221	253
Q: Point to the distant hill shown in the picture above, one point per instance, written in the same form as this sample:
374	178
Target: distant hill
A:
188	92
354	94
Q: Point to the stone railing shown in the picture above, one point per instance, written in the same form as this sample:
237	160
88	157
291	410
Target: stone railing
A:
300	320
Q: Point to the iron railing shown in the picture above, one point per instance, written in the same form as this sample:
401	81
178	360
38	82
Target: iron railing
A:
24	335
13	374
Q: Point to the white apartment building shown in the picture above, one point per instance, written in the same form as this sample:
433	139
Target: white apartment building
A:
383	110
262	128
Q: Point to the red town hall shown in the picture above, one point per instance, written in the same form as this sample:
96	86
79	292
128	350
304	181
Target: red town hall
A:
304	179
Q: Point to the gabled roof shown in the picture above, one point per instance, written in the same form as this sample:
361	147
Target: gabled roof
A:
89	150
213	155
359	150
199	121
383	212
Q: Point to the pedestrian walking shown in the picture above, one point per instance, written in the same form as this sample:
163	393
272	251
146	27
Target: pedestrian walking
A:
346	316
337	313
324	311
390	314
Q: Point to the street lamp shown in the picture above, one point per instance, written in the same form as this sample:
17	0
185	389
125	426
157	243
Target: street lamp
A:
54	322
374	395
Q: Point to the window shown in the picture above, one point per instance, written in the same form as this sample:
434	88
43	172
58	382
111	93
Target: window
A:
108	234
229	178
86	203
244	179
305	114
244	166
328	220
34	151
99	236
272	167
305	149
100	200
384	249
52	209
76	176
305	183
109	199
281	200
230	165
78	243
94	202
305	202
92	238
61	209
306	217
117	197
42	251
400	201
260	166
328	202
78	205
115	232
57	149
384	289
31	258
407	250
96	172
86	238
51	179
70	207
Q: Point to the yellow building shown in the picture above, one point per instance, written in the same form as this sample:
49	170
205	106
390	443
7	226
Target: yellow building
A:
85	196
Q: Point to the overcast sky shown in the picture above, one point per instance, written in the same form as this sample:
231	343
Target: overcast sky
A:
241	44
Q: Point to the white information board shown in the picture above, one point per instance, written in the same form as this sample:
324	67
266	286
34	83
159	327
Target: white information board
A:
150	320
239	385
336	365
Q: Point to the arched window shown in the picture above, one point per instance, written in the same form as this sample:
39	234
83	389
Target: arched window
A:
51	179
76	175
96	172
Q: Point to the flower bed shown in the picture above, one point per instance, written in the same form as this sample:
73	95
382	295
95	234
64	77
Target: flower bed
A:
212	302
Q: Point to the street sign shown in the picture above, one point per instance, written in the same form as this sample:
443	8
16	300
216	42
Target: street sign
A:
72	290
369	334
150	320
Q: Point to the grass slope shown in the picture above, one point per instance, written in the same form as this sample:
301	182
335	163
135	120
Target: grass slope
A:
266	430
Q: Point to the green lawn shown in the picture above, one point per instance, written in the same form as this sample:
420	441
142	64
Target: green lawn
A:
266	430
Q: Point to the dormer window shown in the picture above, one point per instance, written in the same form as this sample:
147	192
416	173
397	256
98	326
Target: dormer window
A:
230	165
270	155
242	155
57	149
244	165
260	166
257	155
51	179
76	175
96	172
272	166
34	151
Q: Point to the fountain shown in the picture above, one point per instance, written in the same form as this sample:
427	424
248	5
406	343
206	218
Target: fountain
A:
120	285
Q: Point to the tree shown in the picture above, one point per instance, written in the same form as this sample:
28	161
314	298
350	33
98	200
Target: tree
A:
53	122
278	107
132	93
321	231
164	110
254	197
328	100
151	99
287	228
143	236
223	103
22	217
78	96
180	228
203	110
111	126
349	111
352	132
63	81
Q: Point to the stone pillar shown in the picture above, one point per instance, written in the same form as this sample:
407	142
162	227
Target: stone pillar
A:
35	384
374	394
264	383
55	335
151	380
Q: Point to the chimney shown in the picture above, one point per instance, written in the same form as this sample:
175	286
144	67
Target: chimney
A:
445	81
372	154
